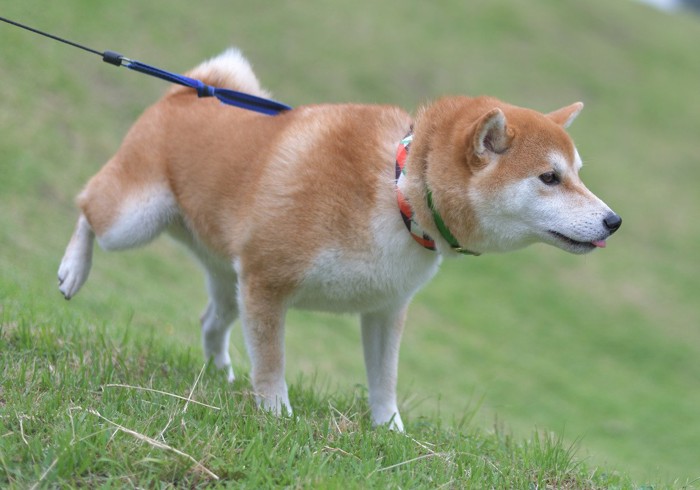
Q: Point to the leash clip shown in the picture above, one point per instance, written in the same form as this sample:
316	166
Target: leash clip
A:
114	58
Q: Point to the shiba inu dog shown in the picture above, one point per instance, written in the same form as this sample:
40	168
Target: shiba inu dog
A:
345	208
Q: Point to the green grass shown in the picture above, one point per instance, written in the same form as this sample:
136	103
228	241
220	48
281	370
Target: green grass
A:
94	407
602	350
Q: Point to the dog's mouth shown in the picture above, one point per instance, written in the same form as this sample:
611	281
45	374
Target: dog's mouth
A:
576	245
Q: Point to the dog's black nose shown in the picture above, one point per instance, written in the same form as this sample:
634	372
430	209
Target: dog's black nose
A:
612	222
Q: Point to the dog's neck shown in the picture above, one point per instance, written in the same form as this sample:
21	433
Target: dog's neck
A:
407	214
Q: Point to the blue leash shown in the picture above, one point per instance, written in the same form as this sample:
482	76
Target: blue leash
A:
227	96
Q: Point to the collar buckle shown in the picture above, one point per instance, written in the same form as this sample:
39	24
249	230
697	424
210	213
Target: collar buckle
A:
464	251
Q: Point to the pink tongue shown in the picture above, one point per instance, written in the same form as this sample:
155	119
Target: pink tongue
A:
599	243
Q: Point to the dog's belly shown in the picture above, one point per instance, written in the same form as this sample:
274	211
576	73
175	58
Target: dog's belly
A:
346	284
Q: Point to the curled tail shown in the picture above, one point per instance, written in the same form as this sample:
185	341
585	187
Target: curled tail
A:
229	70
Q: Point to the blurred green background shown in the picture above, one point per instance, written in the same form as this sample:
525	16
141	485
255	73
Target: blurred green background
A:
605	347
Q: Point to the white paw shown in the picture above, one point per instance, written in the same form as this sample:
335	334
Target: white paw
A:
73	272
222	361
390	418
396	423
226	366
277	404
229	374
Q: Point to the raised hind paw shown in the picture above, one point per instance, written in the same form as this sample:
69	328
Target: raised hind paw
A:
77	260
72	274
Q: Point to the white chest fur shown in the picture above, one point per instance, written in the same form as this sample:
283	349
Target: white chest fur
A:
386	273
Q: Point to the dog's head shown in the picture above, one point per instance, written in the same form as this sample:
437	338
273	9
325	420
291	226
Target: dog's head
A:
519	180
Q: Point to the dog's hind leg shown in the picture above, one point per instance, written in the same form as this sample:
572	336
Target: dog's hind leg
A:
77	260
222	309
141	215
217	318
122	209
381	335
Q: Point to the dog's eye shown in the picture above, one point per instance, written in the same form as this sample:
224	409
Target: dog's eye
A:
550	178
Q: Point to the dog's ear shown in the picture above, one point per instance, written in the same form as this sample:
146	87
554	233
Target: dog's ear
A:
491	134
566	115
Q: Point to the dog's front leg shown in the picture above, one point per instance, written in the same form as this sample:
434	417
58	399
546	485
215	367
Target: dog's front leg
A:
381	335
262	316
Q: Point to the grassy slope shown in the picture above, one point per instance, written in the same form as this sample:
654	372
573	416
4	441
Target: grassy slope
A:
604	347
83	417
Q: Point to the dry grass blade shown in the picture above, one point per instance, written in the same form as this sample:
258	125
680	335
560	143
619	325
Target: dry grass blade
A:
189	397
43	475
403	463
154	443
21	430
141	388
341	451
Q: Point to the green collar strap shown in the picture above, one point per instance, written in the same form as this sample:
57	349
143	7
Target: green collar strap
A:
407	213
